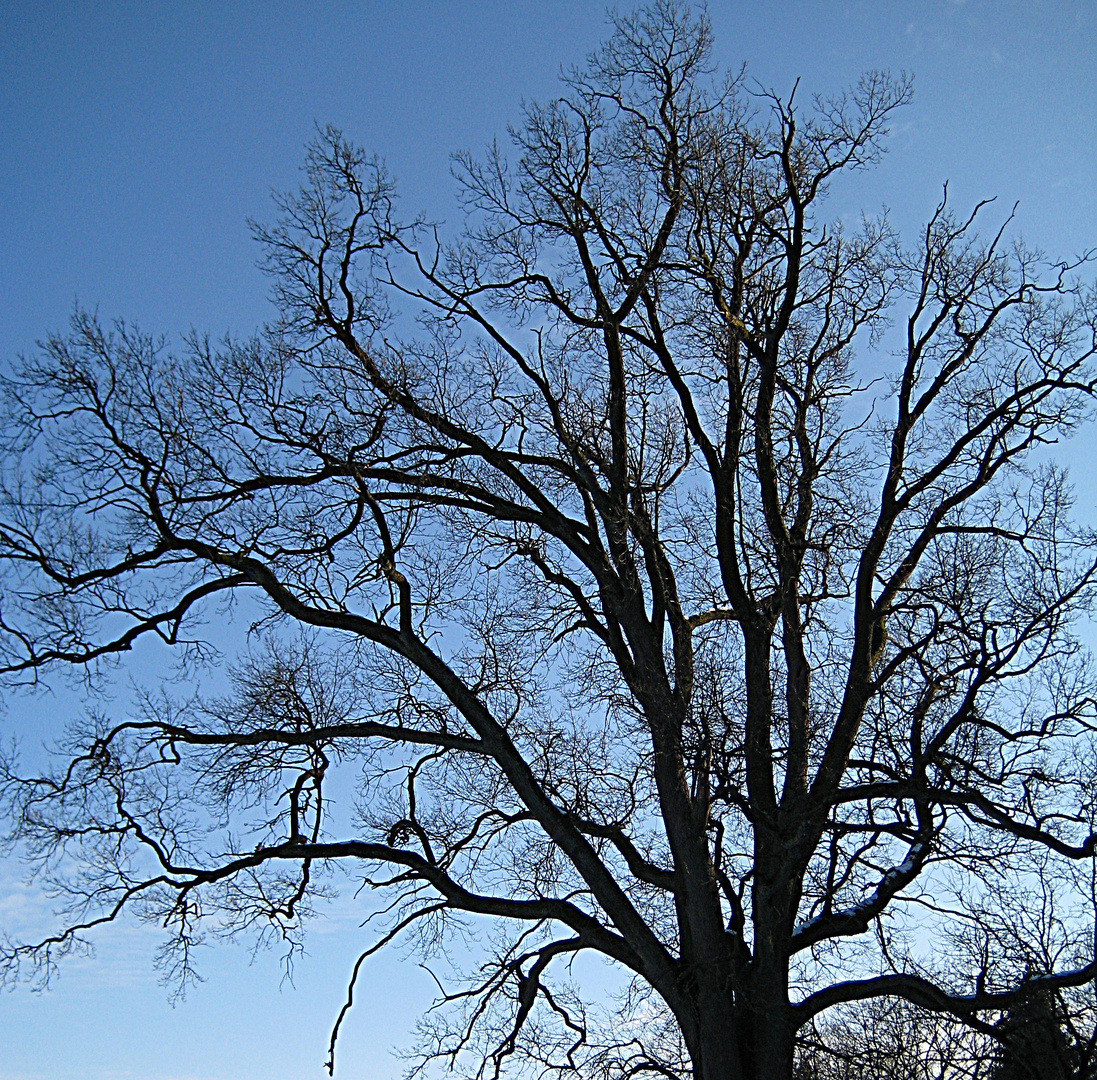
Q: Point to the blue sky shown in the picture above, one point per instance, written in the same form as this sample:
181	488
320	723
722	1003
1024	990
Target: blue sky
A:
135	140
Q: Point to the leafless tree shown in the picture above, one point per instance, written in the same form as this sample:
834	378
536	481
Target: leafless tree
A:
891	1039
1048	1036
681	575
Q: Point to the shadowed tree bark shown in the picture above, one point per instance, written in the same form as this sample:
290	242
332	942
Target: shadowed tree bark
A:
1034	1044
661	602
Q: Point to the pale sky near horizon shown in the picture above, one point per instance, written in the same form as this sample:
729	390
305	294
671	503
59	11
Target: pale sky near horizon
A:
135	141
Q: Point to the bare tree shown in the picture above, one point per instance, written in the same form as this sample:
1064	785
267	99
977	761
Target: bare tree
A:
1047	1035
1036	1044
891	1039
663	603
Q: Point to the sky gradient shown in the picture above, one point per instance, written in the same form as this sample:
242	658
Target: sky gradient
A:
137	139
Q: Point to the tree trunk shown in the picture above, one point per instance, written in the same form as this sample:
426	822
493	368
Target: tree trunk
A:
743	1043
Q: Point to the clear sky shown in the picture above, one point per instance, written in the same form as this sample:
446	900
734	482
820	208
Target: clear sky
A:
135	140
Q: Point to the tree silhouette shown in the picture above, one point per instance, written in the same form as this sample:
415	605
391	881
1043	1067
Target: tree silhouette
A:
1034	1045
654	606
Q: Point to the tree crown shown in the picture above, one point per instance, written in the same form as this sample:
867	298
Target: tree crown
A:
661	608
